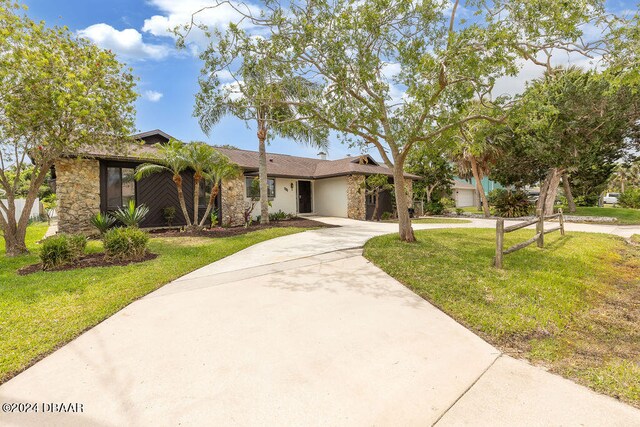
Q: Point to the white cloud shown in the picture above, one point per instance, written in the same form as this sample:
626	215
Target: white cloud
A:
152	95
225	76
127	43
178	13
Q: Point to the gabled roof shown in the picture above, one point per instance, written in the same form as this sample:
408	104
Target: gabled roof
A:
284	165
280	165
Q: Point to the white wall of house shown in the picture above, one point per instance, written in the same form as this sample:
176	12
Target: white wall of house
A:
285	200
20	205
330	196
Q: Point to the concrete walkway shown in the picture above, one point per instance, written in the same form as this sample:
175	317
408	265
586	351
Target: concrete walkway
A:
299	330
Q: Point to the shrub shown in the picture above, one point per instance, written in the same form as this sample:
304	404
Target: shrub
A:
102	221
169	214
61	249
386	216
459	211
630	198
434	208
448	202
131	216
214	218
278	216
125	243
511	204
589	200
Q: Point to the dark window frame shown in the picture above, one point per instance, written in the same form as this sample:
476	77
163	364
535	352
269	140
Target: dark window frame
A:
247	184
104	166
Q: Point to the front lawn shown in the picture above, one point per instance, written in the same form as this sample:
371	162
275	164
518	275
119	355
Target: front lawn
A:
573	306
44	310
623	215
440	221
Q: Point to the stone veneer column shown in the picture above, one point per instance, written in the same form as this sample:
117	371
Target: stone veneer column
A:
356	201
78	193
233	202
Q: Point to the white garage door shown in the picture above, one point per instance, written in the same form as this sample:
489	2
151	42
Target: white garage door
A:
464	198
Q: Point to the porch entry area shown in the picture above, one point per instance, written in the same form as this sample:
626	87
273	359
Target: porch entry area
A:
305	202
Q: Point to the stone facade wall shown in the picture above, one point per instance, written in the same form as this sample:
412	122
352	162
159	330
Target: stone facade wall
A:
233	202
78	192
356	201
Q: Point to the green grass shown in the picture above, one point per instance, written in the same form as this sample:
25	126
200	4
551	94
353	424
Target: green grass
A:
623	215
571	306
44	310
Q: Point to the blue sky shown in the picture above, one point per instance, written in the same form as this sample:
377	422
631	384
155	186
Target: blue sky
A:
168	79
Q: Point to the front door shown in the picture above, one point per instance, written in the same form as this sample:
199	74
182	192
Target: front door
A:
304	197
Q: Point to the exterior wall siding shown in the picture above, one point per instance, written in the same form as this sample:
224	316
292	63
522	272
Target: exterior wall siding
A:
78	192
286	199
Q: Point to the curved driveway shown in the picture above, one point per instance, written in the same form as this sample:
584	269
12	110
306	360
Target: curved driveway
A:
299	330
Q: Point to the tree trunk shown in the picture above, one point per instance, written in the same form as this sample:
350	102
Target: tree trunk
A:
375	209
212	199
479	187
404	222
177	179
549	191
429	191
262	175
15	232
196	197
567	193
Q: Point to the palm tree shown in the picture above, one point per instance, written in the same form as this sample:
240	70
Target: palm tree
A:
199	157
170	157
218	169
259	96
474	156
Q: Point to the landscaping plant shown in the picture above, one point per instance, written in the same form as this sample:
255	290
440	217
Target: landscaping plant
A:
132	215
125	243
630	198
169	214
511	204
61	249
103	222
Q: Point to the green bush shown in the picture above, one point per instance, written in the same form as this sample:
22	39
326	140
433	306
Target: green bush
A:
448	202
102	221
434	208
214	218
169	214
590	200
459	211
630	198
61	249
132	215
126	243
278	216
386	216
511	204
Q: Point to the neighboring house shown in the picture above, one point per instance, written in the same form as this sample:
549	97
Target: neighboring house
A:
100	181
465	194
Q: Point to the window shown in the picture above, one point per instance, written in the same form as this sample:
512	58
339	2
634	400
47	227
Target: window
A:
204	194
371	199
253	187
121	187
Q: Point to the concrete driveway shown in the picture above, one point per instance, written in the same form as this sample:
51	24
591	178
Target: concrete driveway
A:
300	330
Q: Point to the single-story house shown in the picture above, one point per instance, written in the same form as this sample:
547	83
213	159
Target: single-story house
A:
100	181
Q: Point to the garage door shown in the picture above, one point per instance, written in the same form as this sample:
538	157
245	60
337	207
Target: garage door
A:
464	198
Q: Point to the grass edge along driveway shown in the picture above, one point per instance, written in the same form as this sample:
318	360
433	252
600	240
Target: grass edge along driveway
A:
45	310
571	307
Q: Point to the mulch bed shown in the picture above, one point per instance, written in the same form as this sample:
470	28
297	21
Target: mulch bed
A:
237	231
89	260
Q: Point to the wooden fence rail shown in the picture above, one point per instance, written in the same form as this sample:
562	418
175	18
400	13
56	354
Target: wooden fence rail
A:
501	230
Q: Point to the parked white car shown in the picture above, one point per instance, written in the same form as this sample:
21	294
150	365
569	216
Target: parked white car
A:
611	198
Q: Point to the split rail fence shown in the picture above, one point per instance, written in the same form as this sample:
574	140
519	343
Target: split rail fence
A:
539	220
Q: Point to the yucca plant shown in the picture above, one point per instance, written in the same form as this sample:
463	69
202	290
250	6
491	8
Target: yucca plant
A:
132	215
102	221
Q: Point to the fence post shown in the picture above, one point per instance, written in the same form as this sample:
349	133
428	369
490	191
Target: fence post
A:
561	221
497	261
540	227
